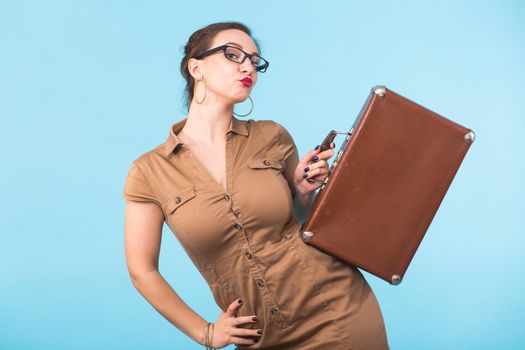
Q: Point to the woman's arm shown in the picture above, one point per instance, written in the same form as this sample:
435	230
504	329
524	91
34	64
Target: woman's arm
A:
301	200
302	203
142	236
303	192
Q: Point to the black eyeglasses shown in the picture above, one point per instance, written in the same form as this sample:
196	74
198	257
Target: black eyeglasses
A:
237	55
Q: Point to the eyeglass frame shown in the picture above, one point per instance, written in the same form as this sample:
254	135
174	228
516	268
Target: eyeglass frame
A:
246	55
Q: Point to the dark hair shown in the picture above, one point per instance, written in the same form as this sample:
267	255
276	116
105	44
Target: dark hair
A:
199	42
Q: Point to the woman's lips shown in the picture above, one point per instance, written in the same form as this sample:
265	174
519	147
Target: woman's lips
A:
246	81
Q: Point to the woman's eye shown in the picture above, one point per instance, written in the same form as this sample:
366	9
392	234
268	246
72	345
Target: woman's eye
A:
231	55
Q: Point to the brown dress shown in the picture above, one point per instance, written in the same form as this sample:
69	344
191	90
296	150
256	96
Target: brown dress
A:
246	241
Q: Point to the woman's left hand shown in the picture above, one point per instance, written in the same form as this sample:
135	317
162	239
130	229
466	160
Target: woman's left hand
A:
312	166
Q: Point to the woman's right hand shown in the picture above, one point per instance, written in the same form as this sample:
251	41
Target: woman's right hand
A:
226	330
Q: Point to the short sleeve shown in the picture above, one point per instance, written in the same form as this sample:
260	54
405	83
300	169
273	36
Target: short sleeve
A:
290	155
137	187
286	143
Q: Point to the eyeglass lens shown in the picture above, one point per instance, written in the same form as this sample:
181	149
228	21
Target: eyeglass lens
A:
236	55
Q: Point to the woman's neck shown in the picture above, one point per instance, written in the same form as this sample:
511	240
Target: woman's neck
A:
207	123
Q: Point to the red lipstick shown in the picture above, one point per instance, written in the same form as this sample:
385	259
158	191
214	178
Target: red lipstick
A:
246	81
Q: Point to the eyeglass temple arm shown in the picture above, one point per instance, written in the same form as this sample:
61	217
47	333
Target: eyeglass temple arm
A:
207	53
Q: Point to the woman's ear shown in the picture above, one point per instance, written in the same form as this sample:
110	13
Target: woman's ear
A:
195	69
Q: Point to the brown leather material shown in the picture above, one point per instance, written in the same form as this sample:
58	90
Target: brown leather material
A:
387	184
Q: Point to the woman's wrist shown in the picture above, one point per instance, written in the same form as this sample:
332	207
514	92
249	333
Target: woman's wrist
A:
301	203
200	334
209	336
303	198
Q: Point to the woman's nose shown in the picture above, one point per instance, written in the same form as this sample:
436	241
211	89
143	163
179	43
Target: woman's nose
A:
247	66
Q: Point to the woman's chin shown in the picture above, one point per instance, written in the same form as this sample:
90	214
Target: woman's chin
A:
240	98
236	98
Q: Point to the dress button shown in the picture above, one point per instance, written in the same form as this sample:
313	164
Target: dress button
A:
260	283
266	162
274	311
226	197
237	226
177	200
248	255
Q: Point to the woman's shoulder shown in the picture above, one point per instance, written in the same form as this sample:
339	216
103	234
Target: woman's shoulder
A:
145	159
266	123
269	127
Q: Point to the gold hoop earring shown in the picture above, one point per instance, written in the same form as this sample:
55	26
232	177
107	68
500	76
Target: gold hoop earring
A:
196	99
244	115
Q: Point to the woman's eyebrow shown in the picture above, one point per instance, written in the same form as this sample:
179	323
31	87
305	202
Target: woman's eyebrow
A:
240	47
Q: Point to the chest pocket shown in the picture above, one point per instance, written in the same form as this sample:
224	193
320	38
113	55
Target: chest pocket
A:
179	199
267	163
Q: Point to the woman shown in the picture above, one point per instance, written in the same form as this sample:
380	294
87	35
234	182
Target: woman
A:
228	189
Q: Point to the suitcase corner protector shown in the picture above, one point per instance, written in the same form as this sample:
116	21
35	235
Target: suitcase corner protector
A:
379	90
307	236
396	279
470	136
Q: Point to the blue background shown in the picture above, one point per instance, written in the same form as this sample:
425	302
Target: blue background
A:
87	86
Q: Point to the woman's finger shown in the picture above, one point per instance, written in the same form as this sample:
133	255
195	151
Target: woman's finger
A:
326	154
316	165
315	173
310	156
242	341
233	307
246	332
245	320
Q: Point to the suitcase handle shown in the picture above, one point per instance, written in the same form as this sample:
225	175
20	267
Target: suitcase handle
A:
326	145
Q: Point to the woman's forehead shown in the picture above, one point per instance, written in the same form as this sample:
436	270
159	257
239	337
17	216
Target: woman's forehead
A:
235	37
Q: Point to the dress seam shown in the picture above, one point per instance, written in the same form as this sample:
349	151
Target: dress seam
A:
319	292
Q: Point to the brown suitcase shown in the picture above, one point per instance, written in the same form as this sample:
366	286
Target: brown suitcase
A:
386	184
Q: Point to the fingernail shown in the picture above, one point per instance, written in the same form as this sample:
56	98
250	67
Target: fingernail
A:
260	331
316	147
254	318
306	169
305	176
240	300
315	158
